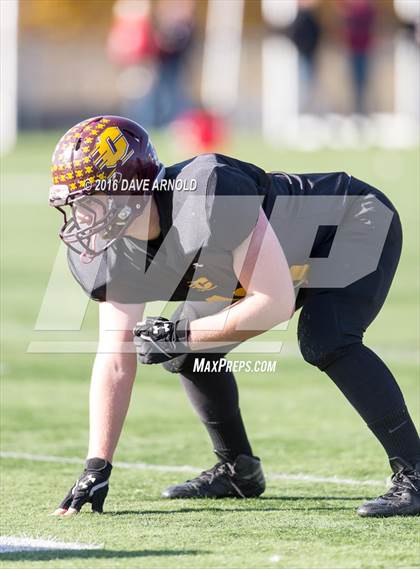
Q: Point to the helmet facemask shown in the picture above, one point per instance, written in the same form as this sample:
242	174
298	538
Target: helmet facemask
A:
92	223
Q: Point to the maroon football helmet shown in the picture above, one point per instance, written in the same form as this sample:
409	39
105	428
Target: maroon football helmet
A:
103	169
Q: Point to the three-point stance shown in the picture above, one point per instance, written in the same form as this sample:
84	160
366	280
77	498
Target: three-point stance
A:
227	239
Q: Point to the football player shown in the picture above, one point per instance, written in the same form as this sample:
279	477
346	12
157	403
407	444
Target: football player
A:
243	249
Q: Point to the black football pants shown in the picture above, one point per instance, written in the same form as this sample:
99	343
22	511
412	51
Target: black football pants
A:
330	334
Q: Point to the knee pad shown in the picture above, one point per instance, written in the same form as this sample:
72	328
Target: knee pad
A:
322	333
185	363
179	364
320	354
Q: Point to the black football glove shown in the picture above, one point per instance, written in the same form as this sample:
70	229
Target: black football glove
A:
92	486
158	340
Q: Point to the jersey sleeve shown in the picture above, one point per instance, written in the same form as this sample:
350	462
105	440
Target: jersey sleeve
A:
233	206
90	276
117	274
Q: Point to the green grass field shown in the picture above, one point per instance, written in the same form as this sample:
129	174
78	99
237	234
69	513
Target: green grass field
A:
298	421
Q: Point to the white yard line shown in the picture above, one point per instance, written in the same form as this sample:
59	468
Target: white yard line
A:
309	478
11	544
74	460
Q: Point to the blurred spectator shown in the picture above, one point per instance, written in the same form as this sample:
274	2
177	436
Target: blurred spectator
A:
198	130
173	34
306	33
130	38
131	47
358	29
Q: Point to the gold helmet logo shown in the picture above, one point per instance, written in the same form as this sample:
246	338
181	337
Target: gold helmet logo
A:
111	148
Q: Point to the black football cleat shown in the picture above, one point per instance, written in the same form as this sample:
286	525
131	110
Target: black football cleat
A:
402	499
243	478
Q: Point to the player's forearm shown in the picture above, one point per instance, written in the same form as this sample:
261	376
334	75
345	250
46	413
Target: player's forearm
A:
110	392
247	318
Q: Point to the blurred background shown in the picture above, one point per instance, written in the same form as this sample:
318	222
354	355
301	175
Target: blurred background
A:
302	73
295	85
300	86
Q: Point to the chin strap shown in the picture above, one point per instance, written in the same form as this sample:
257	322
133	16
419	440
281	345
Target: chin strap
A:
134	207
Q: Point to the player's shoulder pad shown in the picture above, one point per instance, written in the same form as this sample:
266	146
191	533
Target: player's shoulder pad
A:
223	208
233	206
189	208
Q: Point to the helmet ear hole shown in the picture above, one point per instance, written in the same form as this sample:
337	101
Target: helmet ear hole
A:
78	144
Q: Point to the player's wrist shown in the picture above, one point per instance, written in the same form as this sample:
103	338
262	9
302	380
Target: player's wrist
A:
183	331
101	465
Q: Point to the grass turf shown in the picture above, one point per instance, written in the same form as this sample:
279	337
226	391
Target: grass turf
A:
297	420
